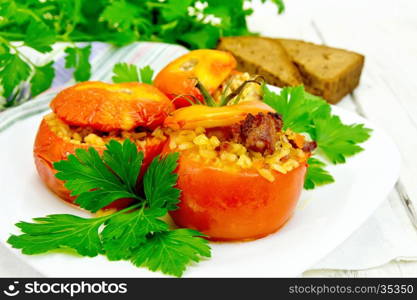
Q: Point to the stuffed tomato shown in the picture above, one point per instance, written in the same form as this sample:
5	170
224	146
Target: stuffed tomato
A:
240	174
199	74
90	114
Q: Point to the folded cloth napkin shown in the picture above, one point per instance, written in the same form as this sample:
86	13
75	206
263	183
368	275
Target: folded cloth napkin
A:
387	235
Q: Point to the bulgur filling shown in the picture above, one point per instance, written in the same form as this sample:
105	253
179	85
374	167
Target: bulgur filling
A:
208	147
87	135
251	92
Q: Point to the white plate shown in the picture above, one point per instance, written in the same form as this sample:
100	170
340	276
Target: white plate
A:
324	218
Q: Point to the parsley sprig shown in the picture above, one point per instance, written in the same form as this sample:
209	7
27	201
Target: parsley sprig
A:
305	113
316	174
124	72
135	233
40	24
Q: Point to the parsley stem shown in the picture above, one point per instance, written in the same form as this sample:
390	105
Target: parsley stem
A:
137	205
139	198
46	9
18	52
17	36
30	13
129	208
207	97
154	5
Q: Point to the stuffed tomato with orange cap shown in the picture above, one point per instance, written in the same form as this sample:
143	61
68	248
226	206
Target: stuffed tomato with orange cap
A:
90	114
240	174
203	73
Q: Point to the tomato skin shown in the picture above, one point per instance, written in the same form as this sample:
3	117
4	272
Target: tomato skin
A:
204	116
229	206
210	67
106	107
50	148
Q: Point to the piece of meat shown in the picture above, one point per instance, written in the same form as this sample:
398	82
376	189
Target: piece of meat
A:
259	133
309	146
306	147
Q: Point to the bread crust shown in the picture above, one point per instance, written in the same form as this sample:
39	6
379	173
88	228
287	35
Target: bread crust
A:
264	57
328	72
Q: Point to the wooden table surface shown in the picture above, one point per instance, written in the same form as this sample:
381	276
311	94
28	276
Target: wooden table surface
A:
386	33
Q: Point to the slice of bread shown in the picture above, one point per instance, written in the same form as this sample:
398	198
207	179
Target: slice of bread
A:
327	72
265	57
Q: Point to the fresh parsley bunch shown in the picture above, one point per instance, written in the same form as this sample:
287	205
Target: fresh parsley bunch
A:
305	113
40	24
135	233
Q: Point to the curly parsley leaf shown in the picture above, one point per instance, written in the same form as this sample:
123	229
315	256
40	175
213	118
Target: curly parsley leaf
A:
174	9
42	79
206	37
125	232
58	231
121	14
40	37
316	174
125	161
305	113
77	58
290	105
124	72
337	140
13	71
159	182
146	74
90	179
123	38
171	251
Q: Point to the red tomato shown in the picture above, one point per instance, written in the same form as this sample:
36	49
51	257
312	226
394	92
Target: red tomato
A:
103	107
235	206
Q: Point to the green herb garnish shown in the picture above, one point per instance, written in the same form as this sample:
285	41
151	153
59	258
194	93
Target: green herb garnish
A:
124	72
316	174
305	113
77	58
135	233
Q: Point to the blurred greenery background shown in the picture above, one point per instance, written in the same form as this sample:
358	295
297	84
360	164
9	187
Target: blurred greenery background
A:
39	24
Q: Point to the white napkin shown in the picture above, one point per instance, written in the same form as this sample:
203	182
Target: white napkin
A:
387	235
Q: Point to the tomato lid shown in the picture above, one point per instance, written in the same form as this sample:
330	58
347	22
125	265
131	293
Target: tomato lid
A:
210	67
107	107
